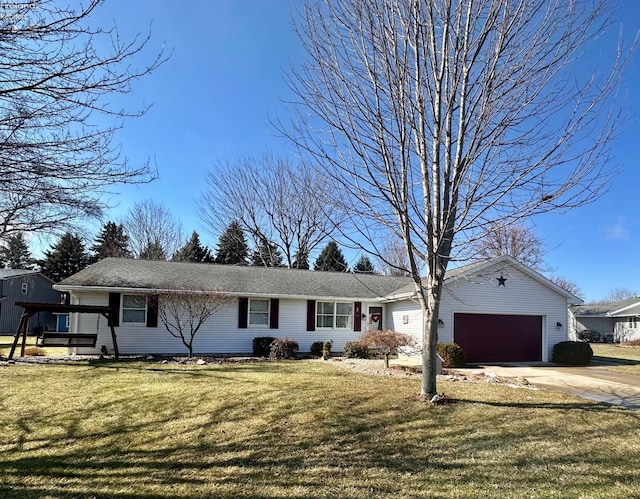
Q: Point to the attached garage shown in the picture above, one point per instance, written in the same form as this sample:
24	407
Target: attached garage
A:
499	338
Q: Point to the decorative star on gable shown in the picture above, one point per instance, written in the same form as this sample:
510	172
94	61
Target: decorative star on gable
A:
501	281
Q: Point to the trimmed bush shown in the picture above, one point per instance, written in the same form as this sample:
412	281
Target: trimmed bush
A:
572	353
283	348
356	350
262	345
452	355
321	349
589	336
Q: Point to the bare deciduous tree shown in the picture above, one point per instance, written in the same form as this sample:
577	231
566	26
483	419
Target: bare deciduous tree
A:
515	240
183	312
57	126
272	199
619	294
568	285
152	230
438	118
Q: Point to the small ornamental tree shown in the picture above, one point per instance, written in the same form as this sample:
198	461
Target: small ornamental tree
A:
388	341
184	312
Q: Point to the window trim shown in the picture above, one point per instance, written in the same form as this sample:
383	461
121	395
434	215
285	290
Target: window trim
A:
123	308
249	313
335	315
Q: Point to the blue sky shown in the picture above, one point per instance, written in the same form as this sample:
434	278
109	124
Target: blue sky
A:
212	100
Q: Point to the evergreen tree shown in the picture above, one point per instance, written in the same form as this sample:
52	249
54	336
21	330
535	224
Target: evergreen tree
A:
266	254
364	266
16	254
232	247
302	259
331	259
111	242
153	251
193	251
65	258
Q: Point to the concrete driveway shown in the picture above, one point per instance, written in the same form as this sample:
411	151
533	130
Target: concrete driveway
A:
592	383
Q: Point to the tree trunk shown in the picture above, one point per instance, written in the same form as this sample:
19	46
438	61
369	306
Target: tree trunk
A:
430	305
386	360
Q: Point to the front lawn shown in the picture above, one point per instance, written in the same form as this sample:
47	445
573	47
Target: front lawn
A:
303	429
626	359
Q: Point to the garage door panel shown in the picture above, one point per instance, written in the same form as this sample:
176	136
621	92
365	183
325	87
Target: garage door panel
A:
499	338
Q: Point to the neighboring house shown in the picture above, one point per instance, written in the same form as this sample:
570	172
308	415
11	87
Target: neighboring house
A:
614	321
499	310
24	285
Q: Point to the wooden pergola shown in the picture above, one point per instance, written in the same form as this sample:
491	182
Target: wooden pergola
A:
50	338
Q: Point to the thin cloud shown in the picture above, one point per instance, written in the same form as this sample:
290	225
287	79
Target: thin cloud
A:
617	232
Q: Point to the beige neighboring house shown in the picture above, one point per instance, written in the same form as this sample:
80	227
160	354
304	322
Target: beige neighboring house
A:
616	322
498	310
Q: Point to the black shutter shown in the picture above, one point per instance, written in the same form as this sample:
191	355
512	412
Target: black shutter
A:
114	303
357	316
311	315
275	312
243	311
152	311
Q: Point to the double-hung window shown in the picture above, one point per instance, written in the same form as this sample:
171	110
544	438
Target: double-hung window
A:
258	312
334	315
633	322
134	308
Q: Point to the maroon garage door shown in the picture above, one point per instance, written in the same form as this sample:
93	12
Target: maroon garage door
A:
499	338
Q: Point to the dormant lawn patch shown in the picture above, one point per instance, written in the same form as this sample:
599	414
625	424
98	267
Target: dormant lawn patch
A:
298	429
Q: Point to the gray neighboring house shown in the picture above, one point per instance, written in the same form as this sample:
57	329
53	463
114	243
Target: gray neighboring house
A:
498	310
616	322
25	285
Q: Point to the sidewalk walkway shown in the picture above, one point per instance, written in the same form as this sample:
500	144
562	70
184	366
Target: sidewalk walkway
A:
593	383
590	383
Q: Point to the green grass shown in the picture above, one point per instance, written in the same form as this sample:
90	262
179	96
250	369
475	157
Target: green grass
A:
6	341
298	429
627	359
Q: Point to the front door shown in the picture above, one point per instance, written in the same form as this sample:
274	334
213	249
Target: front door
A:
374	321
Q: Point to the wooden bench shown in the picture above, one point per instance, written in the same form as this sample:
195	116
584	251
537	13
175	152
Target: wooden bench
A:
51	339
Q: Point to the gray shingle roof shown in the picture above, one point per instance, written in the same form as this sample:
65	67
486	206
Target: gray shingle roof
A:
236	280
617	309
8	273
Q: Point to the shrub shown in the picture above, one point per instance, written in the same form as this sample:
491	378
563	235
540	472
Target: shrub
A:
262	345
321	349
590	336
356	350
631	343
572	353
283	348
452	355
34	352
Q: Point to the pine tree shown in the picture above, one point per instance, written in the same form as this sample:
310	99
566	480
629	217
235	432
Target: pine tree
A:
193	251
232	247
16	254
331	259
65	258
364	266
111	242
302	259
266	254
153	251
